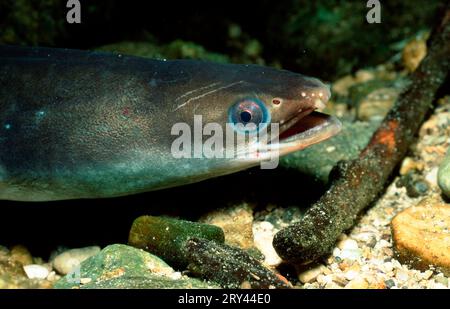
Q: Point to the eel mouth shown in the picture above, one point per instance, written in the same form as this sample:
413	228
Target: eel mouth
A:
305	129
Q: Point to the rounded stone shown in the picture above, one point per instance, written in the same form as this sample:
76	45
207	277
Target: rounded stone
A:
35	271
65	262
444	175
420	235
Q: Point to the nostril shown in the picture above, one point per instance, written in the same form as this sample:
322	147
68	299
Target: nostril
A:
276	101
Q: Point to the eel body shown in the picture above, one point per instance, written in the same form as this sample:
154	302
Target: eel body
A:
78	124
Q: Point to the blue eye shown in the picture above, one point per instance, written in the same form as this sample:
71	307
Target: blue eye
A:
249	111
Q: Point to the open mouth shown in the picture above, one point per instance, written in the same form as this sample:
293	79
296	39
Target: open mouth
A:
306	130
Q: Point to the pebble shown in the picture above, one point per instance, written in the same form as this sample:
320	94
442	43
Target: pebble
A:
413	53
165	237
432	176
377	104
264	232
66	262
387	267
427	274
441	280
349	249
21	254
324	279
444	175
357	283
236	223
409	165
35	271
401	276
389	283
311	274
421	235
119	266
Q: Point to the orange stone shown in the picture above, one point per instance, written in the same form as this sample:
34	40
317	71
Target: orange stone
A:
421	235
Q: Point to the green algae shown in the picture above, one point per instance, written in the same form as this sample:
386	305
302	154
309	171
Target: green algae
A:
121	266
165	237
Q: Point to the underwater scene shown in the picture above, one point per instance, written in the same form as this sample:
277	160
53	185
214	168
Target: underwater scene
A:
290	144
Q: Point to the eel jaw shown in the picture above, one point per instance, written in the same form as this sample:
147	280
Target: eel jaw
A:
306	131
296	134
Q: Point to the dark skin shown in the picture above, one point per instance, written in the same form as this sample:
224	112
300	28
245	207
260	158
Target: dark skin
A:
76	124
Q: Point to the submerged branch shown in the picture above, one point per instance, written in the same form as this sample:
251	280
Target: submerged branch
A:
357	183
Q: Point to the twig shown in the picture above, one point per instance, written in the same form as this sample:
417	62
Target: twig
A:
358	182
228	266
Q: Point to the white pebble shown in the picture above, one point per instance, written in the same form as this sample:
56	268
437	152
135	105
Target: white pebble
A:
351	274
383	244
348	244
35	271
263	233
311	274
401	276
387	267
336	252
349	249
324	279
427	274
67	261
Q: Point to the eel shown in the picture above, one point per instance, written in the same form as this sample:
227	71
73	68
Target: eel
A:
82	124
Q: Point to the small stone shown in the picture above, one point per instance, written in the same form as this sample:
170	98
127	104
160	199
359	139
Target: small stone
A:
236	223
387	267
389	283
441	280
165	236
421	235
52	276
427	274
401	276
363	76
349	249
344	265
324	279
409	165
85	280
342	85
415	184
67	261
377	104
444	175
357	283
377	284
432	176
35	271
332	285
311	274
264	232
351	274
120	266
21	254
413	53
348	244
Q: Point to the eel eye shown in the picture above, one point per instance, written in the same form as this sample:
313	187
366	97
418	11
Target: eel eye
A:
249	111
